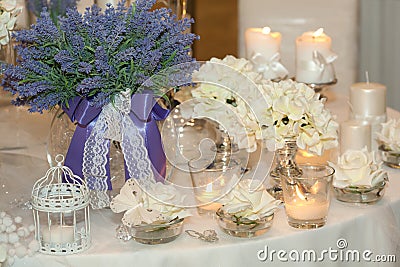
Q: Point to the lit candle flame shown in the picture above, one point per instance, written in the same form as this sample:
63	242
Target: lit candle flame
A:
300	194
318	32
266	30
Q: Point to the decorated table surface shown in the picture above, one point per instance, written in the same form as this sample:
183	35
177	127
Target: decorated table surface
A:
370	231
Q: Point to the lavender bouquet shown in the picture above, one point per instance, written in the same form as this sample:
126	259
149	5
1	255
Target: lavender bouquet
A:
96	66
96	55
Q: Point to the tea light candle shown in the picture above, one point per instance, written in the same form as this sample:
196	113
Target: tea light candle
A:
307	47
368	99
310	209
58	234
355	135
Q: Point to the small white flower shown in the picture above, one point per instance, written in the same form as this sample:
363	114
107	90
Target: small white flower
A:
357	168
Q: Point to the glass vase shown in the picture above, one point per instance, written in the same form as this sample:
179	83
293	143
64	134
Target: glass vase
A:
7	56
60	136
285	166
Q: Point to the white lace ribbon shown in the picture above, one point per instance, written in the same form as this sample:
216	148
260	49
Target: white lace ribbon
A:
114	123
271	68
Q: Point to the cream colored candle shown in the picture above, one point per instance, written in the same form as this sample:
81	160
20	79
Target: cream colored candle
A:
312	209
355	135
310	46
58	234
368	103
368	99
262	41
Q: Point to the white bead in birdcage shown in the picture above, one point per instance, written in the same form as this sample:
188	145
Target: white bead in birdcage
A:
60	203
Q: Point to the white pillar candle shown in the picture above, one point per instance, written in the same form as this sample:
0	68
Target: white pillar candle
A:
368	103
262	49
368	99
310	67
262	41
355	135
58	234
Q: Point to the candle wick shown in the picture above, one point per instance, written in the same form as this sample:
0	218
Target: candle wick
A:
367	77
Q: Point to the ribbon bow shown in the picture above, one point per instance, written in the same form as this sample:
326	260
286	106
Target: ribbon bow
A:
271	68
323	64
132	122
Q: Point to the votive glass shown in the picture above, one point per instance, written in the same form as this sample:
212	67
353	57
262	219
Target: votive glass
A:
307	196
211	181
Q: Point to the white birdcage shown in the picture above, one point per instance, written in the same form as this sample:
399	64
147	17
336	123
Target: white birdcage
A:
60	203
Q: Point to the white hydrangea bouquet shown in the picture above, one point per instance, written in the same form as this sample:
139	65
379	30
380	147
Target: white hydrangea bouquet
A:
250	107
294	110
227	92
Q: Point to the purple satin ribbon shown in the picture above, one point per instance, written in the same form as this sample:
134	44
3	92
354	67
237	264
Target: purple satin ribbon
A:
144	113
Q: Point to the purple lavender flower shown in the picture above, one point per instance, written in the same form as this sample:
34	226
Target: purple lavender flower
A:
98	54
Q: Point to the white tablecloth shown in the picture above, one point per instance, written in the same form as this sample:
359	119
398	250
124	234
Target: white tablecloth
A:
364	227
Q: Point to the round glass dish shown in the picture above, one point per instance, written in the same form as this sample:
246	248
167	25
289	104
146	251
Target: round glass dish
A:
390	158
243	227
360	194
157	233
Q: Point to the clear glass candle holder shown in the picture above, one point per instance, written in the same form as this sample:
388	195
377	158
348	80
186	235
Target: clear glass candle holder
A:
157	233
307	196
243	227
389	157
211	181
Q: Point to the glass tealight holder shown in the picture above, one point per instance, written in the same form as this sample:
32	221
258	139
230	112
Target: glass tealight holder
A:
361	194
211	181
244	227
157	232
307	196
389	157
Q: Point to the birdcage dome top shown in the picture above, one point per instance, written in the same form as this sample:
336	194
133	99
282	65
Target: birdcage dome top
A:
60	190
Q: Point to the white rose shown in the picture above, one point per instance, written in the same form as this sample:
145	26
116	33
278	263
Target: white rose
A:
357	168
390	135
249	199
167	200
